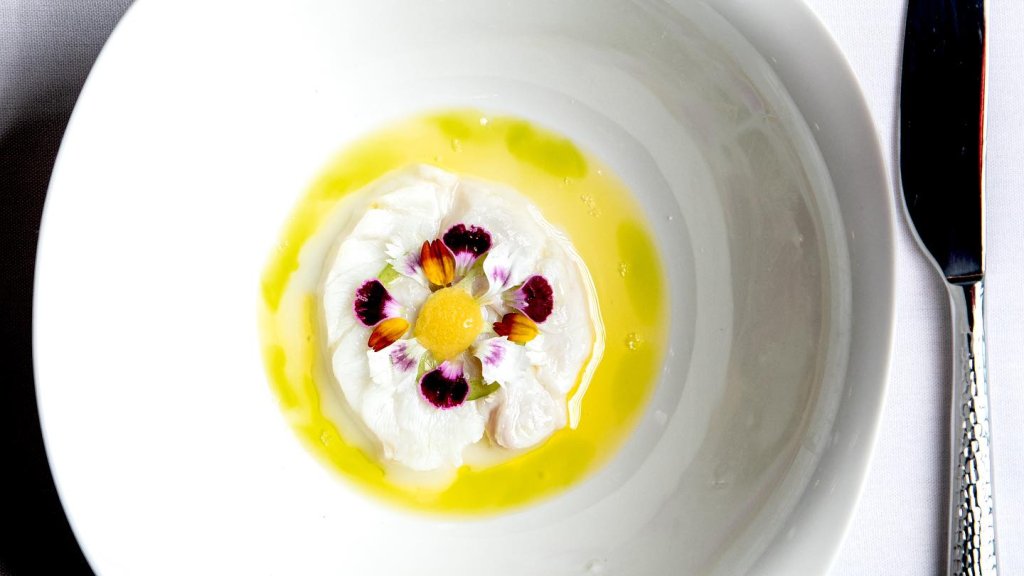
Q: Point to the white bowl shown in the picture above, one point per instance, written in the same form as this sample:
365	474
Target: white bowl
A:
738	127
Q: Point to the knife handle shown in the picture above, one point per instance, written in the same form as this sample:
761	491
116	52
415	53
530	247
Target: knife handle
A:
972	544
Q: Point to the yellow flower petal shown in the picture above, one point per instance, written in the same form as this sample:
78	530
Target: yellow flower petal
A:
438	263
387	333
516	327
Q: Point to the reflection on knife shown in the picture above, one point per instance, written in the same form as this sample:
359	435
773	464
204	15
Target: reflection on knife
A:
942	169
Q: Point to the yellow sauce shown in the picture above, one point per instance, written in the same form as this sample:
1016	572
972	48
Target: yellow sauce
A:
575	192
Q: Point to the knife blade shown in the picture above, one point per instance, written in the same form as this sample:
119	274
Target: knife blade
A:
942	131
942	124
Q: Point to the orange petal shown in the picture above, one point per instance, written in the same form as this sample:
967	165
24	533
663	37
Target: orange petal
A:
516	327
438	263
387	333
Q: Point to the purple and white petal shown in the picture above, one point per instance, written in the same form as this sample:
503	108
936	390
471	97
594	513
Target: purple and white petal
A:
396	364
467	243
500	360
373	303
445	386
535	298
405	261
503	267
498	268
405	355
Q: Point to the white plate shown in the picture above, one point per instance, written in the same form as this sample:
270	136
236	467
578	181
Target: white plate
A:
202	123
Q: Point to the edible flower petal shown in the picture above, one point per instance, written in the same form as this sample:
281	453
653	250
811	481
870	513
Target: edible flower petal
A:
404	261
516	327
373	303
437	262
445	386
387	333
467	243
500	359
534	298
498	269
405	355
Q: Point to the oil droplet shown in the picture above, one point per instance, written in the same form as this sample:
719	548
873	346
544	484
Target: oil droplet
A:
484	120
324	438
633	341
722	475
591	205
623	269
671	218
456	145
661	418
595	567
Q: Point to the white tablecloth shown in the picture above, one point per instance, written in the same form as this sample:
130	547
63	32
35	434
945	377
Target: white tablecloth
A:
46	46
899	526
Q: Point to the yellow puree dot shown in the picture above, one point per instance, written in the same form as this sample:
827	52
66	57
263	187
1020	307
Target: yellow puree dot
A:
448	323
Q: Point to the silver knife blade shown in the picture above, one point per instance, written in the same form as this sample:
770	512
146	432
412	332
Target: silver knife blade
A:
942	132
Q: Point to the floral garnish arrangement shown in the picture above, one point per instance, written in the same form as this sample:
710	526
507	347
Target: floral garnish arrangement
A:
446	336
454	311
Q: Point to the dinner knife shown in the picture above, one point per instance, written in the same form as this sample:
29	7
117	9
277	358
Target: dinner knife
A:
942	171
